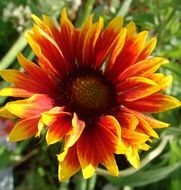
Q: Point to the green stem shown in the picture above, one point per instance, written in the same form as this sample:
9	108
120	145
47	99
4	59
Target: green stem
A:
26	157
127	188
10	56
64	185
91	183
162	27
87	11
80	183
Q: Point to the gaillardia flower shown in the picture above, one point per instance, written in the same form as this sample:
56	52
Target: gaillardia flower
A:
92	87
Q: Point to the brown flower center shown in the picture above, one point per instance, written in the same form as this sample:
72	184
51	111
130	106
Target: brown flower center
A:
89	94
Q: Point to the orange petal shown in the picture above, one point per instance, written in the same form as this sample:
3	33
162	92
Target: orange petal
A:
154	123
88	155
15	92
78	127
133	137
113	132
109	162
22	80
59	129
24	128
143	68
31	107
127	120
36	72
90	40
51	116
53	53
69	165
133	157
135	88
105	137
116	47
112	37
144	147
163	81
5	113
114	26
16	77
80	37
154	103
128	55
66	39
143	126
46	25
131	27
147	50
42	60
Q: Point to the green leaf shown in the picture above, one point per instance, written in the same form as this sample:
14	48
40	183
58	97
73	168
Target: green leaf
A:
8	59
176	148
5	157
144	19
142	178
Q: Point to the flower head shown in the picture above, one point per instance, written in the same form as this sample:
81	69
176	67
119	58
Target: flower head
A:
92	88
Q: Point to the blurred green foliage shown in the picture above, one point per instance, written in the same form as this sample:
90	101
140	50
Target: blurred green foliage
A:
35	167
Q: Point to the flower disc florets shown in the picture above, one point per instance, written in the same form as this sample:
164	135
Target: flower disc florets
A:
88	93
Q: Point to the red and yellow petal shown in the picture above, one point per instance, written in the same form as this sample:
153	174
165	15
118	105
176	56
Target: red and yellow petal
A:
5	113
90	40
105	138
36	73
154	104
154	123
47	25
130	52
112	37
15	92
69	164
133	156
53	53
22	81
127	120
51	116
134	137
162	80
131	27
147	50
109	163
77	129
59	123
58	130
23	129
135	88
42	60
80	37
87	154
143	126
31	107
143	68
115	48
66	39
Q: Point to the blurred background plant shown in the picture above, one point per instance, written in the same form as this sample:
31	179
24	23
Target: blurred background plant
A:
34	166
